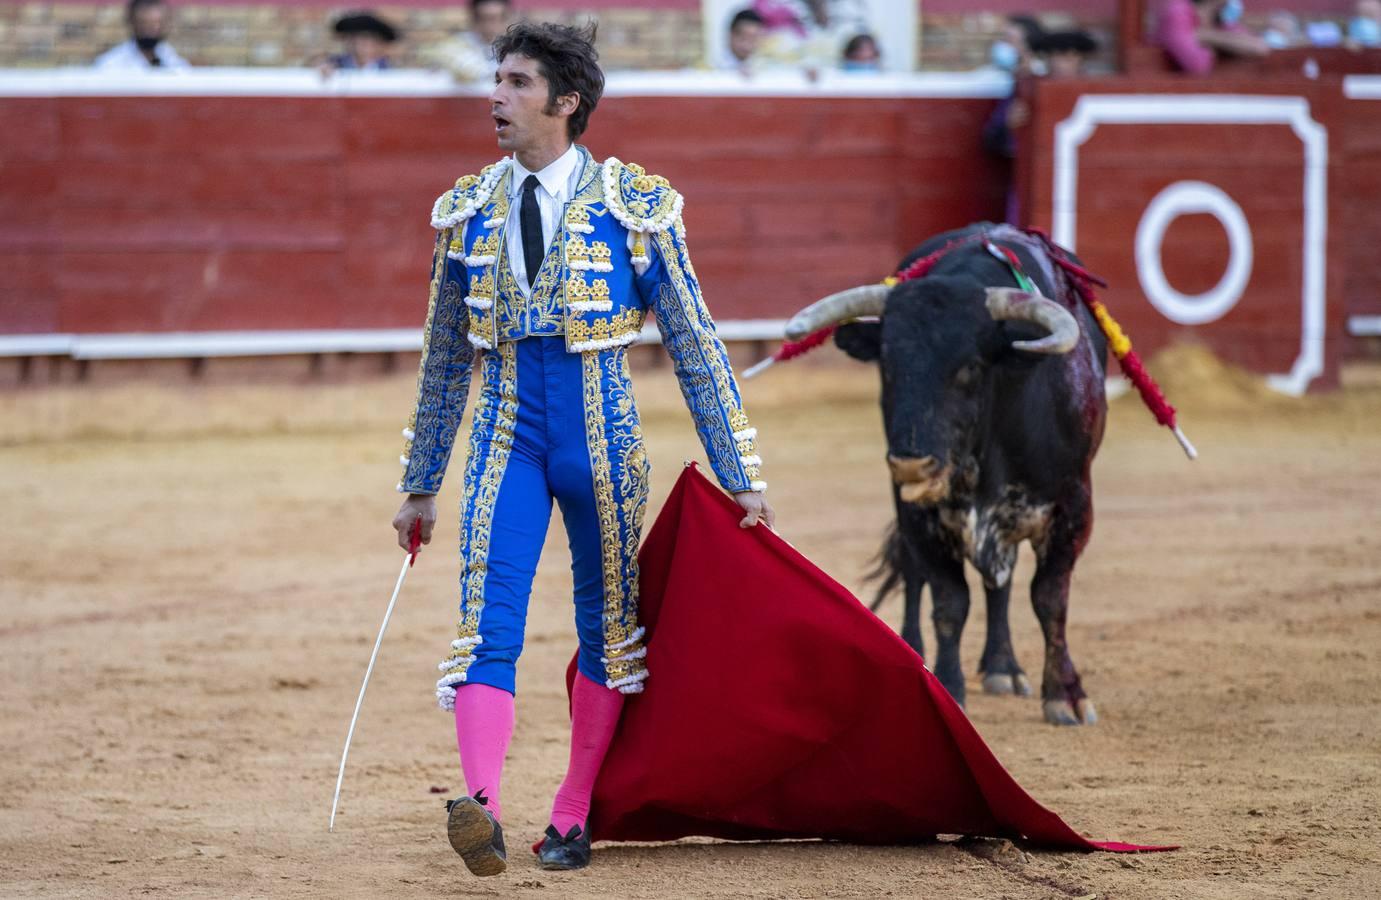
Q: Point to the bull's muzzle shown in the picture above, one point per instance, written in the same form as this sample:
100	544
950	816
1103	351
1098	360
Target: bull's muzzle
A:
923	480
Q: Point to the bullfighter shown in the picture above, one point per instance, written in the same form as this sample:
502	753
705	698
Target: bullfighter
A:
546	264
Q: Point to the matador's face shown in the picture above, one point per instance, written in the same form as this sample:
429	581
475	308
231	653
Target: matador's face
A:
524	116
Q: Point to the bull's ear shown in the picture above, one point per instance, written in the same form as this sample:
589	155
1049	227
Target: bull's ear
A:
861	340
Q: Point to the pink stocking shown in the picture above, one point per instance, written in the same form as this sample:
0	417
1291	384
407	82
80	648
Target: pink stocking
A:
484	725
594	715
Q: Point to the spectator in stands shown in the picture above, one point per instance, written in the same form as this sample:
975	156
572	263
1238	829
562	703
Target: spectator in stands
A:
809	34
367	38
745	36
147	47
1283	31
1364	28
1012	51
1065	52
861	54
1324	33
1194	33
469	56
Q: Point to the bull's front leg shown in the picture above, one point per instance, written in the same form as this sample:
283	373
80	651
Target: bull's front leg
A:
1064	700
950	597
998	666
911	614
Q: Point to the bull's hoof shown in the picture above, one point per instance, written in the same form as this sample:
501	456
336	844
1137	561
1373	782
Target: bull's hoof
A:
1002	684
1062	712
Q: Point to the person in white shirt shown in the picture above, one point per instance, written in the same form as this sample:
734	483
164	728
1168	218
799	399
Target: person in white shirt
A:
745	36
469	55
147	47
547	263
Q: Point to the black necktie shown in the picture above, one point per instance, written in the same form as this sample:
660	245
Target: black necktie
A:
531	217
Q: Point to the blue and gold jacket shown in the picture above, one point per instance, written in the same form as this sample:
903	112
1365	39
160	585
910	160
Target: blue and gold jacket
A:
619	251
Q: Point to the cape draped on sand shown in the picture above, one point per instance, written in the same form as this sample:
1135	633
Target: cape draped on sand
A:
779	706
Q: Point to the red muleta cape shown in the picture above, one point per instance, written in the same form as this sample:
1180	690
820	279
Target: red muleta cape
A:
779	706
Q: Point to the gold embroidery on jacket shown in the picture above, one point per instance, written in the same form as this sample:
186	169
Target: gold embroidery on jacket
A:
712	352
433	292
625	325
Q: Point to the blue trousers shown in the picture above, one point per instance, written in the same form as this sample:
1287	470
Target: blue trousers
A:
550	425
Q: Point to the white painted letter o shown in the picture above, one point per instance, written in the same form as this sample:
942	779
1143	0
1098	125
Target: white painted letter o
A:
1183	198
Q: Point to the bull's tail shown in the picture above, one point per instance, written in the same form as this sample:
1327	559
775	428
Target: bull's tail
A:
889	566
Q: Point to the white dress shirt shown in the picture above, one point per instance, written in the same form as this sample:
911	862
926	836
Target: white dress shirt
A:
129	56
557	184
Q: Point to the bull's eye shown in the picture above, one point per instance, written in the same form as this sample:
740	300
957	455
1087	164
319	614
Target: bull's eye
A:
966	375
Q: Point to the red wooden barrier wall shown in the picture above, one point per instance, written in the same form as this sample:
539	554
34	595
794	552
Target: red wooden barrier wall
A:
132	214
204	213
1121	166
1360	145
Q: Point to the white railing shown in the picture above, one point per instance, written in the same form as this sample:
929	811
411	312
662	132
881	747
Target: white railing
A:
266	82
205	344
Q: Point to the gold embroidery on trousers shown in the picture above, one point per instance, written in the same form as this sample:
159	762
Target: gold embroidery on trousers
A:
623	659
499	417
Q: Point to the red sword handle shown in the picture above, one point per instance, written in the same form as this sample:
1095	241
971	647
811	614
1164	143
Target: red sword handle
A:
415	540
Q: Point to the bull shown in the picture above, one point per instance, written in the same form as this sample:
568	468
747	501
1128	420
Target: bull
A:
993	405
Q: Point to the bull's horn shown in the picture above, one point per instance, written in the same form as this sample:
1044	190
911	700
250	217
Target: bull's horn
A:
867	300
1010	303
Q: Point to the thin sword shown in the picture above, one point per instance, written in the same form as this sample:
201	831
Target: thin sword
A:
414	541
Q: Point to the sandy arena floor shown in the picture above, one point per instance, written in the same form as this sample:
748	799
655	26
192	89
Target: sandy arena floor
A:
193	577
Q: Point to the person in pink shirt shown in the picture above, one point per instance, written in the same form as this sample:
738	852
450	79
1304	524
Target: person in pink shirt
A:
1194	32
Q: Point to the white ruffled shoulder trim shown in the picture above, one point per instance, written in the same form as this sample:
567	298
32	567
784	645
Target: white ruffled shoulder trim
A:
468	196
623	183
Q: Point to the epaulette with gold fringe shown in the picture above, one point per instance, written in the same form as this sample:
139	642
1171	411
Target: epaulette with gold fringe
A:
639	201
467	197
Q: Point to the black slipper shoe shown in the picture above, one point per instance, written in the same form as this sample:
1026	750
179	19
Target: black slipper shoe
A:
476	835
558	852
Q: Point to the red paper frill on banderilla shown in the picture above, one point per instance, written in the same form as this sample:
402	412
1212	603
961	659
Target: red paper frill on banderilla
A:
778	706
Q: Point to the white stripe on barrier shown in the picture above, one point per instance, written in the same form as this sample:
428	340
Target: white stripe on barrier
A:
193	344
291	82
1362	87
35	344
196	344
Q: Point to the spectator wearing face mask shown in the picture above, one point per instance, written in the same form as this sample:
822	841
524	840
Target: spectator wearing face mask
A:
1011	53
1364	28
146	48
1283	31
1194	33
